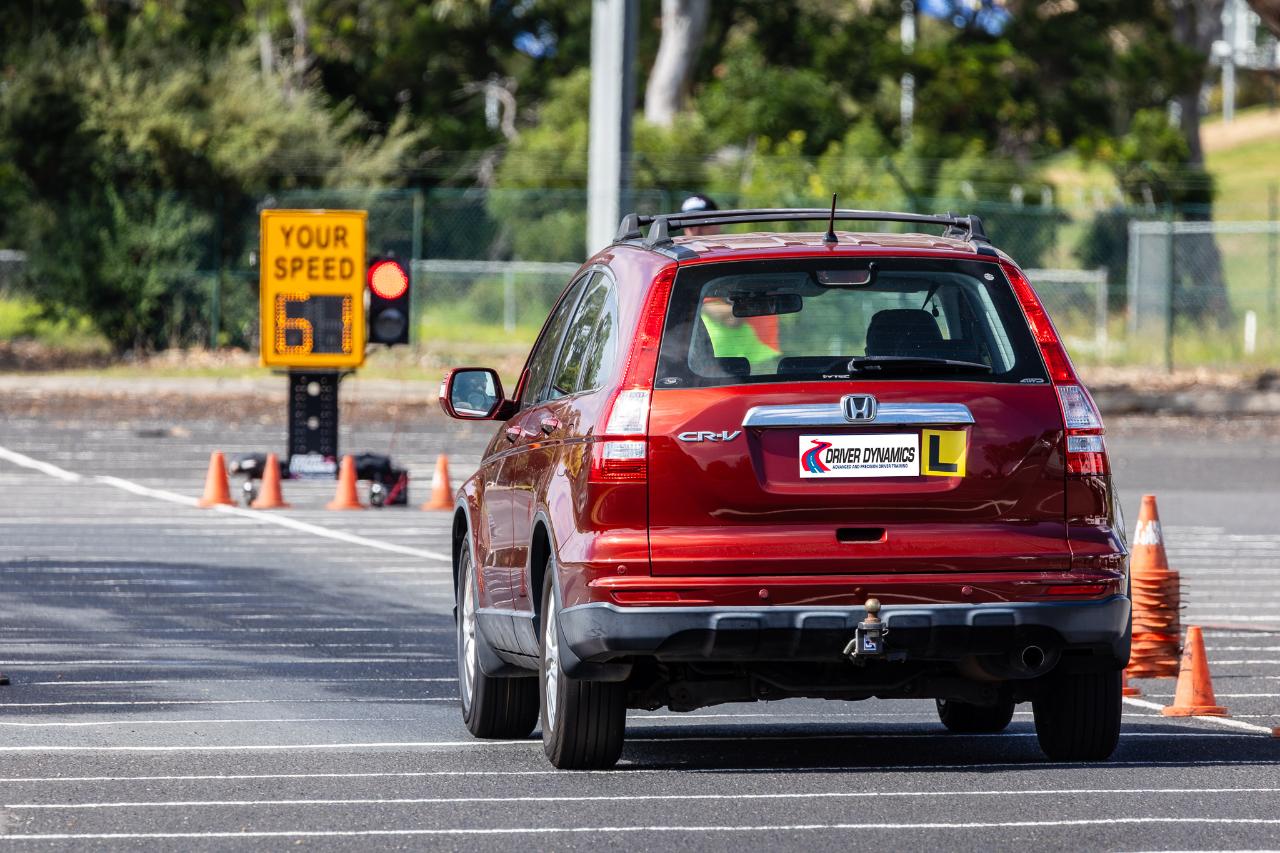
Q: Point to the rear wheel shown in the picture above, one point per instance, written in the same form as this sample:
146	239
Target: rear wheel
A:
491	707
1078	716
964	718
583	722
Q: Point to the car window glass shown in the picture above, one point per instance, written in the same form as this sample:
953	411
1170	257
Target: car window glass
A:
806	320
598	365
544	351
578	368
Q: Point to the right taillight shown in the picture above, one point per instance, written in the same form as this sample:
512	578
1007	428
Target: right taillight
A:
1086	449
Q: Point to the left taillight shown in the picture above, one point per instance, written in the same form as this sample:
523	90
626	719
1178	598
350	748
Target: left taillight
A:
620	454
1086	449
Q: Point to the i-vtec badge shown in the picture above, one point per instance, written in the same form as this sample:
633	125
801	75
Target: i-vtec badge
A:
723	435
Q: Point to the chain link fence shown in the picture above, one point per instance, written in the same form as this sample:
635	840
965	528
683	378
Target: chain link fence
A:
1202	293
1125	286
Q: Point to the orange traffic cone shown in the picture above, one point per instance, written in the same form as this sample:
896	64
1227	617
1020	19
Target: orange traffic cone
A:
1194	696
216	490
441	491
345	497
270	496
1147	554
1125	689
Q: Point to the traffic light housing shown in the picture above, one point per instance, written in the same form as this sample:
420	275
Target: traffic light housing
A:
388	315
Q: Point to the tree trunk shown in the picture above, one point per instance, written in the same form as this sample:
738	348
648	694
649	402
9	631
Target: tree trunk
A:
684	22
1269	12
1201	288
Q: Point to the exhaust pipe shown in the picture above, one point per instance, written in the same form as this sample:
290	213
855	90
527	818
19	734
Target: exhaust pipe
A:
1032	658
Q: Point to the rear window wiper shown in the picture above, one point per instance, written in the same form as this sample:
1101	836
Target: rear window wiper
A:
874	363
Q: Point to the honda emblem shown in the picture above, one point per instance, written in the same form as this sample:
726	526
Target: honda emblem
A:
858	408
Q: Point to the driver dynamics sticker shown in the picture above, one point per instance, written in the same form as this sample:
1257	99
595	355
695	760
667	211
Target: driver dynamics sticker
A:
860	455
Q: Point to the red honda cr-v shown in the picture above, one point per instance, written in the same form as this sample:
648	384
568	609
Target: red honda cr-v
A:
770	465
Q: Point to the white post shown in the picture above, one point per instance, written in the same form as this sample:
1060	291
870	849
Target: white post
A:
612	101
1250	332
1100	314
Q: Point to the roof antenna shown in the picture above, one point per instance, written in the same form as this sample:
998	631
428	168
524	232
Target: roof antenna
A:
830	237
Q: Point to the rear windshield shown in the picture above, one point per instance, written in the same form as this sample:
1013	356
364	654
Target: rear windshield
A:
818	319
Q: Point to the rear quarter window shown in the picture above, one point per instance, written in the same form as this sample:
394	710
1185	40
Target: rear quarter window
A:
823	319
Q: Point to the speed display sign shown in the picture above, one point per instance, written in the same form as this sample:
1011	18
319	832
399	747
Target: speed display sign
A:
311	292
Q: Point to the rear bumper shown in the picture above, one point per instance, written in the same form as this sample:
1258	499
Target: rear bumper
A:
600	632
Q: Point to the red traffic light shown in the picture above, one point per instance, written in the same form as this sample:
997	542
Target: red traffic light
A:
388	279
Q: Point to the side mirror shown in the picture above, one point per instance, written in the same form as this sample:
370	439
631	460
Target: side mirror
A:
473	394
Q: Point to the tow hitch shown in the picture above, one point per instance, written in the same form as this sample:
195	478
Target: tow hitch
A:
868	639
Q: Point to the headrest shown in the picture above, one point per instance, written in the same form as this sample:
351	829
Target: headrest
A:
903	332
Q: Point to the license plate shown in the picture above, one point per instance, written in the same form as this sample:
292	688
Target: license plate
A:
892	455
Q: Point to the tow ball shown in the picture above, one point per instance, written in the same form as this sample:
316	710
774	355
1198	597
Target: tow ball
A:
868	639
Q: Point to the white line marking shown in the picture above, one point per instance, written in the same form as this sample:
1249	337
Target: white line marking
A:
817	737
623	770
1219	721
276	747
589	798
256	517
200	662
221	679
36	465
553	830
165	702
99	723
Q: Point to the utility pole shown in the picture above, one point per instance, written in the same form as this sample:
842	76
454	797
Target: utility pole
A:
613	40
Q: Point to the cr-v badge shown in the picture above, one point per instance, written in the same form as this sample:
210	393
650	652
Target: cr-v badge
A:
723	435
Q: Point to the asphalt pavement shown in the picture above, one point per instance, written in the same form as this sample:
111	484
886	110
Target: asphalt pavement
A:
188	679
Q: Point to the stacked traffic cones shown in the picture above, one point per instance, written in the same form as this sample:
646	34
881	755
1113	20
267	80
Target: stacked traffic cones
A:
216	490
270	496
1157	598
345	497
1194	696
1125	688
441	491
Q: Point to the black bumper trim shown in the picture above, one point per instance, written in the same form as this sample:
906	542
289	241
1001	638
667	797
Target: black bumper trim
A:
600	632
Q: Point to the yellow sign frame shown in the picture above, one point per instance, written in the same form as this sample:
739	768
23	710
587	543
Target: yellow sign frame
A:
329	260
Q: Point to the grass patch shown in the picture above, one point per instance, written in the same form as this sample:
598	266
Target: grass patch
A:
20	320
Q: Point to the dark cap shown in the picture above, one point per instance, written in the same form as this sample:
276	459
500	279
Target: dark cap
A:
697	203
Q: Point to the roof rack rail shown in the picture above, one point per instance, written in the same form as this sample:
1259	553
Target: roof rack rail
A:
967	227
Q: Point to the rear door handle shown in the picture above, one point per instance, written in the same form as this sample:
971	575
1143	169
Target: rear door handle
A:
514	433
550	425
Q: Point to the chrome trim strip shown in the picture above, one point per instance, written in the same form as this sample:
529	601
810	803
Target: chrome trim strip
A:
831	415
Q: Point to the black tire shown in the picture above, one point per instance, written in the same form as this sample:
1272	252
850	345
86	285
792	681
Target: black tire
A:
584	724
1078	716
491	707
964	718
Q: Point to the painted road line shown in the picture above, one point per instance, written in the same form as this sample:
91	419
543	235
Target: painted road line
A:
816	737
131	722
1218	721
54	471
624	769
221	680
632	797
215	662
276	747
184	500
558	830
167	702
